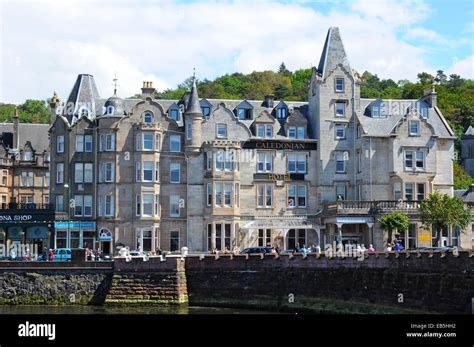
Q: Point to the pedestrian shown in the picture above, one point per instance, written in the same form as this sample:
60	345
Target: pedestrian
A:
51	255
303	249
277	249
397	246
371	248
45	255
388	248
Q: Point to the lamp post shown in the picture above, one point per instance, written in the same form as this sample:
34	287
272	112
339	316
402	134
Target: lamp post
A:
69	203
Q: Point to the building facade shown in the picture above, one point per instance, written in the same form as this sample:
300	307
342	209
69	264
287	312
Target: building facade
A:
467	150
225	174
26	216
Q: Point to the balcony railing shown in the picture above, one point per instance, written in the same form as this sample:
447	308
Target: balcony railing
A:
364	207
26	206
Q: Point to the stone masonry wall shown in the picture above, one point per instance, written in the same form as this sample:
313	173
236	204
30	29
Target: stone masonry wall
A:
435	283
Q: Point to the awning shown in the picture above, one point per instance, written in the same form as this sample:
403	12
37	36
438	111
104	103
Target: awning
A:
349	220
39	232
15	233
278	223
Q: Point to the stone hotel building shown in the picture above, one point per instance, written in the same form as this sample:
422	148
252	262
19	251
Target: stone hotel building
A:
207	173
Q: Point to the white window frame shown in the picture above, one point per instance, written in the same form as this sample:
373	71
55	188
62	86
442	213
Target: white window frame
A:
219	127
338	161
339	90
79	143
338	128
59	173
148	135
174	167
264	192
176	139
189	131
410	125
60	144
151	170
344	188
265	165
340	115
174	197
88	141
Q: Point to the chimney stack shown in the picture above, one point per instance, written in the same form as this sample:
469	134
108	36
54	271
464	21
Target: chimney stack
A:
147	89
16	130
53	103
430	95
269	100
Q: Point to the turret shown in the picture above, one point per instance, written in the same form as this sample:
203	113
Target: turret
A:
192	121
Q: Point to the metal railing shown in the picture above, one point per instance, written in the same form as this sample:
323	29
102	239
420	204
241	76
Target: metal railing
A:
356	206
25	206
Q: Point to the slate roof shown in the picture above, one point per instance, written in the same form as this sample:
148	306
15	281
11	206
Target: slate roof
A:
37	134
469	132
333	54
383	126
467	195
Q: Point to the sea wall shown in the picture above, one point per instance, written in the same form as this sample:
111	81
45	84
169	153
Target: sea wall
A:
423	281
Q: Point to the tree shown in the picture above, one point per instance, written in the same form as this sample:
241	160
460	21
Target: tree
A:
440	78
425	78
461	178
395	221
282	70
441	210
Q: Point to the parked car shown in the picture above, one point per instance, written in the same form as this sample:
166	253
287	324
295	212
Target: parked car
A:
60	254
256	250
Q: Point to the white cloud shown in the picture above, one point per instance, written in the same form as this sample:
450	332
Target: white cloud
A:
422	33
464	68
163	41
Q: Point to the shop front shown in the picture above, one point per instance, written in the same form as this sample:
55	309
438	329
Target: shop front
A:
32	229
75	234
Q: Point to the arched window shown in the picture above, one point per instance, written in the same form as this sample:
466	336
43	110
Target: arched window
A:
148	117
109	110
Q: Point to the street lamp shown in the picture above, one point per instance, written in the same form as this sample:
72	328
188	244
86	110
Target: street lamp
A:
69	203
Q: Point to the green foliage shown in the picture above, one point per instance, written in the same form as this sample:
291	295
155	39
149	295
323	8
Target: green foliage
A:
31	111
441	210
394	221
461	178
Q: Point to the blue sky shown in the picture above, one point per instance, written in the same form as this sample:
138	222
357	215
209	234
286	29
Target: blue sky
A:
46	43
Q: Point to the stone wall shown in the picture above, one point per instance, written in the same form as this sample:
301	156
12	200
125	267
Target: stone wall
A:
38	283
427	282
423	282
158	281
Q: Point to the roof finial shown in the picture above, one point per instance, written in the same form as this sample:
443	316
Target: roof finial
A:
194	74
115	83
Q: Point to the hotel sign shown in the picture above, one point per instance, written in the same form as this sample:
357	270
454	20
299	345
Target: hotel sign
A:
280	145
278	177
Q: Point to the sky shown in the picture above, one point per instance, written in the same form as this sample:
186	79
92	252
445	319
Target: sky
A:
45	44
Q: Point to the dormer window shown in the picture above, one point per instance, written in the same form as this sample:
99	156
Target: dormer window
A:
296	133
27	155
378	109
174	114
206	111
221	131
109	110
265	130
414	128
339	85
281	113
422	109
244	113
340	109
148	118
